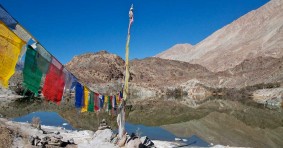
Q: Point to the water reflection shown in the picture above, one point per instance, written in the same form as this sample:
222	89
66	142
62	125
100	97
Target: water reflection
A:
216	120
46	118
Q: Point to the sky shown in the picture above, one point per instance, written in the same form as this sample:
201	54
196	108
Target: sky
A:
71	27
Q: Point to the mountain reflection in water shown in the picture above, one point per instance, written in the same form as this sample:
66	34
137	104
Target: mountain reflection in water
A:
216	121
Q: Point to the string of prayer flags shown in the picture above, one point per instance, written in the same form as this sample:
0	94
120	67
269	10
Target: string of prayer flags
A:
91	102
79	95
54	82
10	48
38	61
85	102
31	73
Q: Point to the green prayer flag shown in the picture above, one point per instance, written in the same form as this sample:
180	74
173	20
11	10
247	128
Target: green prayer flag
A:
31	73
110	103
91	102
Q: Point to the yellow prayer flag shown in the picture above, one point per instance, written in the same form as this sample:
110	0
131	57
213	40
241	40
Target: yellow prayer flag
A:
106	100
117	100
86	92
10	49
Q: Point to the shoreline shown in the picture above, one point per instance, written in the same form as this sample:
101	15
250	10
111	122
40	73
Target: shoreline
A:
21	134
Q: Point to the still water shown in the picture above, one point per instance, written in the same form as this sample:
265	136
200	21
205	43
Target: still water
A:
218	121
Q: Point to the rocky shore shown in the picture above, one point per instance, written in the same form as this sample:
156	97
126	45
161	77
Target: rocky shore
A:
21	135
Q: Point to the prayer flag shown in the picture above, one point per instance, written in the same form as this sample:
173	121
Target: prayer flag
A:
7	18
96	101
110	103
85	106
114	101
101	99
31	74
106	99
120	95
79	95
117	100
69	80
10	48
91	102
54	82
44	59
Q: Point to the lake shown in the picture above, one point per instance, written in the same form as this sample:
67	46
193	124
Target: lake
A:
217	121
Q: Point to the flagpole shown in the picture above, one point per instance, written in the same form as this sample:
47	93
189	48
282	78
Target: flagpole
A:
121	115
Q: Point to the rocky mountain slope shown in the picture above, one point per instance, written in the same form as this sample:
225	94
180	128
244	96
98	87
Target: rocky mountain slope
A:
256	34
160	72
251	72
103	67
100	67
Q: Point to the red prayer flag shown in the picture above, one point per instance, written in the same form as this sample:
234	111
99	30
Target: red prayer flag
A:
96	101
54	83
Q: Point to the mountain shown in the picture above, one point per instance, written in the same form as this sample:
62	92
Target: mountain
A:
256	34
100	67
103	67
175	51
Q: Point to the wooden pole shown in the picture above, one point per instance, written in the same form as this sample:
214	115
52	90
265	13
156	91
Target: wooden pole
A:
121	115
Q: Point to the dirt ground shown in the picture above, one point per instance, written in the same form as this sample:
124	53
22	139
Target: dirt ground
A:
6	137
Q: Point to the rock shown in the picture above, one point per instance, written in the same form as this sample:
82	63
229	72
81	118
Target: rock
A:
103	135
58	137
178	139
57	132
185	140
36	142
146	141
103	125
31	140
71	141
135	143
45	139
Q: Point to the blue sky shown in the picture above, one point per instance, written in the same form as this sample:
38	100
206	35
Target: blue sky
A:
68	28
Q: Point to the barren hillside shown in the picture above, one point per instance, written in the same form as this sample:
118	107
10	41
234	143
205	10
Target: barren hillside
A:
256	34
97	67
